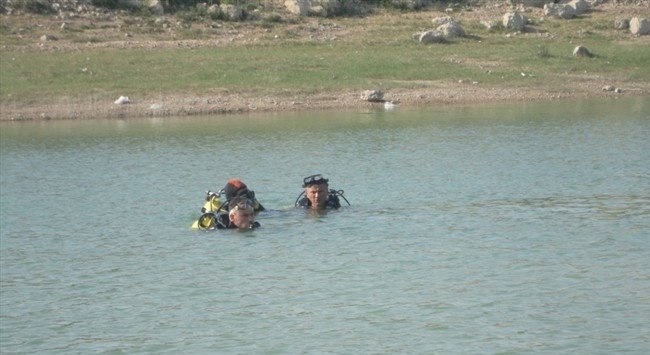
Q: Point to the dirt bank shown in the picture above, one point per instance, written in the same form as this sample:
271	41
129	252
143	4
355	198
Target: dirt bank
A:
434	94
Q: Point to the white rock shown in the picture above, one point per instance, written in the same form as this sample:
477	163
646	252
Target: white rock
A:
582	51
372	95
639	26
123	100
432	36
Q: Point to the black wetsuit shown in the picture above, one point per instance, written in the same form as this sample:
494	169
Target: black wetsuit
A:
223	222
332	202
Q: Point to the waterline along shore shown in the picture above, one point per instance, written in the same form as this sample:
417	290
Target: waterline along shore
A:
311	63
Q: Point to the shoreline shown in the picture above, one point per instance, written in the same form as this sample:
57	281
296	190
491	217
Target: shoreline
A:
574	84
440	93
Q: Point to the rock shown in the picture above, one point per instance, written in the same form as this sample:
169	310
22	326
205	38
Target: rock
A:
622	24
372	96
514	21
582	51
297	7
317	11
313	7
451	29
156	7
123	100
580	6
233	12
608	88
442	20
639	26
431	36
48	38
559	10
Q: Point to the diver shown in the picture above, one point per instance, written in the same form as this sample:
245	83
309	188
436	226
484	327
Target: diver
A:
240	216
317	194
215	204
234	188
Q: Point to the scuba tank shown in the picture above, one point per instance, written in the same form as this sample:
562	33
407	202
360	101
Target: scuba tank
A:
213	202
206	221
212	206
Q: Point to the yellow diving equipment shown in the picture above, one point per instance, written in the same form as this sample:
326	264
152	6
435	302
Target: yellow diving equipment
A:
208	219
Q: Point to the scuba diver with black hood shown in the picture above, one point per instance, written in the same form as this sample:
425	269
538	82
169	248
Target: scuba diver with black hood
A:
317	195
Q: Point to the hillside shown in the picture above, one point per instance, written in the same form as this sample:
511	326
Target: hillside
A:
534	63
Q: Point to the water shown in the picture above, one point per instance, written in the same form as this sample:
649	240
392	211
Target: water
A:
485	229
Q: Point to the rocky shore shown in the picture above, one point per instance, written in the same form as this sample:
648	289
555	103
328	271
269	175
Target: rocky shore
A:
441	93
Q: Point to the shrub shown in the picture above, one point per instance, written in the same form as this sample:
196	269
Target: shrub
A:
541	51
109	4
35	6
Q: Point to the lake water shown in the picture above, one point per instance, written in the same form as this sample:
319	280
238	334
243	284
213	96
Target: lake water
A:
518	228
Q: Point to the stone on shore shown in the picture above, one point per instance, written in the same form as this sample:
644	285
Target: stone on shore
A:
297	7
622	24
514	21
559	10
321	8
431	36
581	6
123	100
232	12
451	29
48	38
582	51
639	26
441	20
372	96
156	7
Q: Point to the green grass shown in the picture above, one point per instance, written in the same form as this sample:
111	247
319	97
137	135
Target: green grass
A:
293	65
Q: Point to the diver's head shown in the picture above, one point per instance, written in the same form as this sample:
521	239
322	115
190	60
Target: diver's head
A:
241	212
316	190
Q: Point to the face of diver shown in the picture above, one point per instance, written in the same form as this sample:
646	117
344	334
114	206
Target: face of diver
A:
317	195
242	218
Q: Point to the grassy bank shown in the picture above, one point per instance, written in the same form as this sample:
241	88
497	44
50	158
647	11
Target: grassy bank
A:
325	56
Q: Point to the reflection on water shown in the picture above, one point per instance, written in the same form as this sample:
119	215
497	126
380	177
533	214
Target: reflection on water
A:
471	229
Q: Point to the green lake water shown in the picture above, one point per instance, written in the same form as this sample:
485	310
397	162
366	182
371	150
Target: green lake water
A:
518	229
